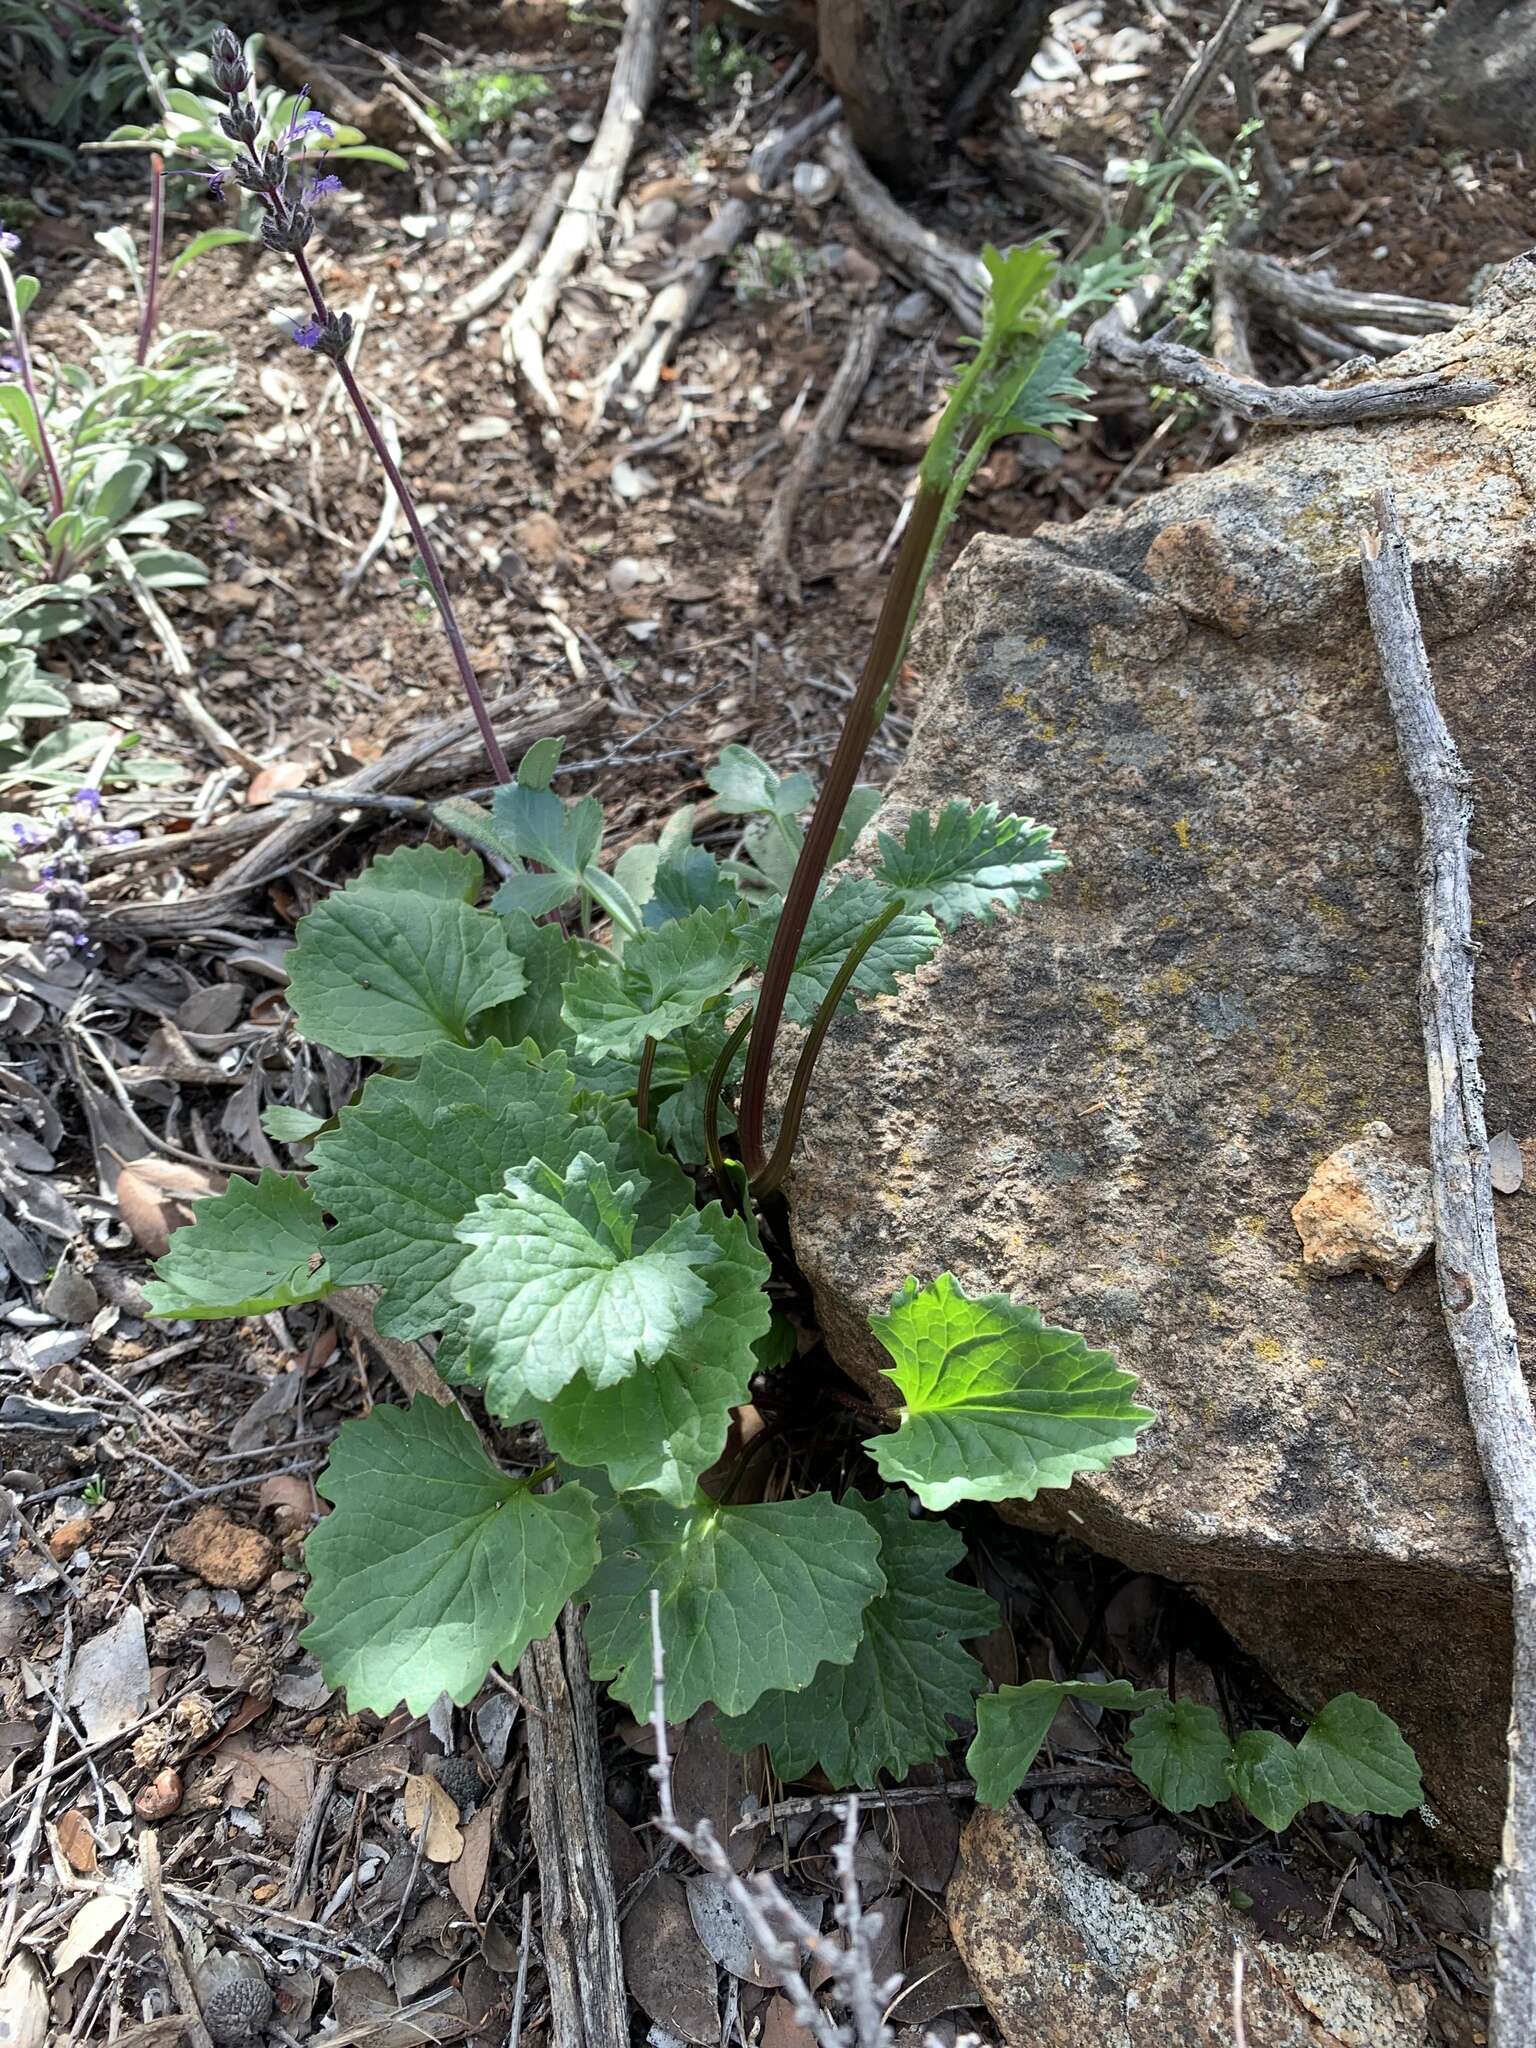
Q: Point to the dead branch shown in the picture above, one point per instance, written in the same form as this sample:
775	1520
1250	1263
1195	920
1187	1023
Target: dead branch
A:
645	354
430	759
1160	361
776	576
951	273
170	1953
594	191
1229	326
1070	186
1005	63
1273	179
779	1931
1311	299
491	289
567	1819
1471	1284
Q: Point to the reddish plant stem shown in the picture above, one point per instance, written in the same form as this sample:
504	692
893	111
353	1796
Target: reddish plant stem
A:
424	547
151	307
29	385
885	653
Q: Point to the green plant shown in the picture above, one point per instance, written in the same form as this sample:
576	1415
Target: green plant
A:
80	445
190	124
720	58
768	267
536	1177
1352	1755
473	101
79	66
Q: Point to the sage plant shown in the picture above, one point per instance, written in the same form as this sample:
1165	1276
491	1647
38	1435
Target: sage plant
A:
288	195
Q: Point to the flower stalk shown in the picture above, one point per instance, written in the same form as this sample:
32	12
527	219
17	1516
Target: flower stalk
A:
149	312
287	225
23	354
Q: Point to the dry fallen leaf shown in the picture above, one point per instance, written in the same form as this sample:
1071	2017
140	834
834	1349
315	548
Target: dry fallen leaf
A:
272	781
109	1683
23	2003
670	1976
155	1197
1506	1163
426	1800
78	1845
96	1919
467	1876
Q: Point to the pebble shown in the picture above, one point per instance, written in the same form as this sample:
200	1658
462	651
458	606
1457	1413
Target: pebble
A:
624	575
813	184
859	270
581	133
914	314
69	1296
159	1799
656	216
221	1552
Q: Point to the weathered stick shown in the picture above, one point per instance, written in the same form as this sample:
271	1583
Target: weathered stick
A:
775	572
646	352
1466	1240
566	1817
953	274
592	195
1286	405
491	289
1295	292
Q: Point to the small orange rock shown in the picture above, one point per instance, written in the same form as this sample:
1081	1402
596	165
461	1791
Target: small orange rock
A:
1367	1209
67	1538
159	1799
222	1552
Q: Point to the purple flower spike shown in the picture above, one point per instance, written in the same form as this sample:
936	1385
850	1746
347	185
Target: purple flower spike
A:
9	242
322	188
88	799
308	335
311	124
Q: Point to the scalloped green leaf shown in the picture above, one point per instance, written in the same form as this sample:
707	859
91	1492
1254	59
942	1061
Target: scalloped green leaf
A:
409	1160
972	863
658	1430
835	923
434	1565
997	1403
528	823
745	785
257	1247
889	1708
1013	1722
1353	1756
555	1285
1266	1773
664	981
689	879
399	962
752	1598
1181	1753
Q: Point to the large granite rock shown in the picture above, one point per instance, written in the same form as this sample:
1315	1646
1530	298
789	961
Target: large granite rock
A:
1109	1105
1067	1958
1476	81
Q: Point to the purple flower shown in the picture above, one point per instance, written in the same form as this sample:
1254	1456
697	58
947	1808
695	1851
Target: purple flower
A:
9	242
322	188
88	799
310	124
27	834
308	335
11	365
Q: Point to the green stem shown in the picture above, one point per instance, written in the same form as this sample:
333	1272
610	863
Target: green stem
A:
771	1179
712	1093
643	1086
891	634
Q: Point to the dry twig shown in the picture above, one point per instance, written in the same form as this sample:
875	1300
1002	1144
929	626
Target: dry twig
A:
775	572
170	1952
1296	293
779	1931
1471	1284
491	289
592	196
953	274
1161	361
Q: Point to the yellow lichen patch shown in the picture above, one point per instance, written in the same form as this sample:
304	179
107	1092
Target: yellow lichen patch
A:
1268	1348
1171	981
1181	832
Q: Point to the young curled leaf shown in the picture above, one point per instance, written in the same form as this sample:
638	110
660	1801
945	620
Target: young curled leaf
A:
666	979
